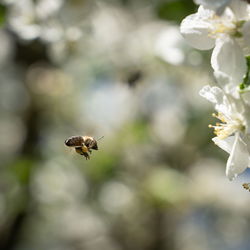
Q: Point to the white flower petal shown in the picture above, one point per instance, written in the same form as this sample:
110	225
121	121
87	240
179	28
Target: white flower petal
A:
239	158
246	37
222	78
225	144
195	29
247	124
246	138
212	94
216	5
226	82
228	58
240	9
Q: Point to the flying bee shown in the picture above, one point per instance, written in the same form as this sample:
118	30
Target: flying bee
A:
82	144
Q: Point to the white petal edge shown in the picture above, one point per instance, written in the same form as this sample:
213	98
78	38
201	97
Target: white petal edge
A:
227	84
225	144
239	158
195	29
228	58
216	5
212	94
240	9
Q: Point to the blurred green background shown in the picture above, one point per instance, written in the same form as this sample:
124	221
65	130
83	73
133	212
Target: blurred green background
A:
118	69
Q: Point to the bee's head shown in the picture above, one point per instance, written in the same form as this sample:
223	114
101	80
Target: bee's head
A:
91	143
94	145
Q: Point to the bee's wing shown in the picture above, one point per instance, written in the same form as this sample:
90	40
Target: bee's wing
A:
72	150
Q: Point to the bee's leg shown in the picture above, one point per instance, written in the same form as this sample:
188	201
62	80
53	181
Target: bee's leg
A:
84	148
80	151
85	151
86	155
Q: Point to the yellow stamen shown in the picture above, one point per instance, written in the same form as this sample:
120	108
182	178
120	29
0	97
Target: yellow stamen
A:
226	127
222	26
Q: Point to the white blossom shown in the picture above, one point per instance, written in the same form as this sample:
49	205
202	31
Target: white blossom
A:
231	132
224	26
228	34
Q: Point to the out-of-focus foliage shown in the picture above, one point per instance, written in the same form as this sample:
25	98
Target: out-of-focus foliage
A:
175	10
2	14
118	69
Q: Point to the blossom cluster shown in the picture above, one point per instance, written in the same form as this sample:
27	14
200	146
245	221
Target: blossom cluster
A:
224	27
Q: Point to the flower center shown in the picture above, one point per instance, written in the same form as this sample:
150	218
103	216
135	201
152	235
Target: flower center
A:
227	126
220	26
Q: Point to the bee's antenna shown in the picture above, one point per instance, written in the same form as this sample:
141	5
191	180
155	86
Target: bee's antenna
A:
100	138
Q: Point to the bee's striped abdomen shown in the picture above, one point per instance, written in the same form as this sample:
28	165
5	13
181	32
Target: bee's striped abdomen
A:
74	141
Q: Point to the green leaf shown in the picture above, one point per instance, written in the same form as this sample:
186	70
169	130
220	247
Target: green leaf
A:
2	14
